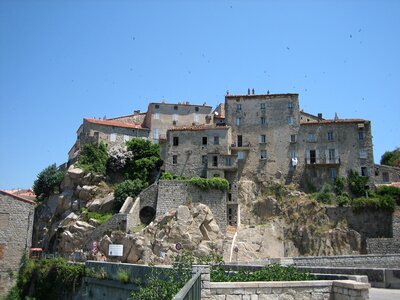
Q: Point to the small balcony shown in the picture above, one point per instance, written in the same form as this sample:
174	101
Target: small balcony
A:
222	162
322	161
240	146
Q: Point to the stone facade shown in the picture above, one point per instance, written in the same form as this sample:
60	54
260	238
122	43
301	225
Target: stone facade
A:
386	174
16	223
171	194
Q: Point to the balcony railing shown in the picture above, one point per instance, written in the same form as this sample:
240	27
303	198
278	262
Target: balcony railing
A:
323	161
223	162
242	146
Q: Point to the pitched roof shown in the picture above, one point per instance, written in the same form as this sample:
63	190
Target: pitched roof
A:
18	197
198	128
114	123
334	121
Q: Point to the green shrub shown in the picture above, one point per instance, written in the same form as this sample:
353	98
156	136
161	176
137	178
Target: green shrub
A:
206	184
325	195
272	272
391	158
100	218
391	191
93	158
381	202
48	279
167	176
357	183
123	276
342	200
127	188
338	185
48	181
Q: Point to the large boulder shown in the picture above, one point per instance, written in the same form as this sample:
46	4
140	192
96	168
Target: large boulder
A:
102	205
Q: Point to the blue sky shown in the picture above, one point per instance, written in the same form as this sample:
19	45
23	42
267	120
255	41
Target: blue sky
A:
61	61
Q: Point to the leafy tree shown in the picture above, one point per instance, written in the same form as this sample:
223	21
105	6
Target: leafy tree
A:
127	188
48	181
118	157
391	158
94	158
338	185
356	183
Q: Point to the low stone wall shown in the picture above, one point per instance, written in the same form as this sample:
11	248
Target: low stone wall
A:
383	245
320	289
172	193
370	261
148	197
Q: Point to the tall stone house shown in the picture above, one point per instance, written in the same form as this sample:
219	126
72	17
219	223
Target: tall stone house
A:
260	137
16	223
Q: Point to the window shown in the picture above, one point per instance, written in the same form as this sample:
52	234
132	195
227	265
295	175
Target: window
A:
313	157
263	154
238	121
239	141
157	106
156	116
290	105
331	154
228	161
204	140
204	159
363	153
176	141
175	107
385	177
293	154
263	139
262	106
290	120
196	118
216	175
155	134
216	140
293	138
241	155
215	161
361	135
175	117
364	171
238	106
330	136
312	137
174	159
113	137
263	120
196	108
332	173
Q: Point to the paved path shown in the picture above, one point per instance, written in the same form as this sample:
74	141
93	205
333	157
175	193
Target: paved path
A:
383	294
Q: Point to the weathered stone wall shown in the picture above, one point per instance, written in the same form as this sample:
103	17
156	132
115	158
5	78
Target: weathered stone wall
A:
172	193
370	224
16	223
383	245
350	146
386	174
148	197
254	116
370	261
193	158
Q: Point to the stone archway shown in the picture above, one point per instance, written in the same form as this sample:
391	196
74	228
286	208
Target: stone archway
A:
147	214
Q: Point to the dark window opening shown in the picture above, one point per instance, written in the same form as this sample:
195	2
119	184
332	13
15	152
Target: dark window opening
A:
364	171
239	140
313	157
204	140
176	141
175	107
174	159
157	106
196	108
215	161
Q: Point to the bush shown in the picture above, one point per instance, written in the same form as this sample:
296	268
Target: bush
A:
93	158
356	183
48	279
391	191
342	199
380	202
118	158
338	185
206	184
391	158
272	272
123	276
325	195
48	181
100	218
127	188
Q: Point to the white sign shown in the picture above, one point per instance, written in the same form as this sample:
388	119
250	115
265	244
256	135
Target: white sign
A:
115	250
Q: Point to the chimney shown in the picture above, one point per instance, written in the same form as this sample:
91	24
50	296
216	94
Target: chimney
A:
227	92
319	117
136	112
252	91
248	91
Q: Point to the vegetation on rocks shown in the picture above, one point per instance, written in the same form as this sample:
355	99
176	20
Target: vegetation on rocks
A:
48	181
127	188
93	158
100	218
205	184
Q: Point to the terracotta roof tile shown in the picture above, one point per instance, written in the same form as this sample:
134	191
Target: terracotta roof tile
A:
334	121
114	123
197	128
18	197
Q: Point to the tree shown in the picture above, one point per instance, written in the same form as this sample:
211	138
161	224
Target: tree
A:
48	181
391	158
94	158
356	183
127	188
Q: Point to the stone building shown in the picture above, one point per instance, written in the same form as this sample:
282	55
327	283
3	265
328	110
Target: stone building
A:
16	222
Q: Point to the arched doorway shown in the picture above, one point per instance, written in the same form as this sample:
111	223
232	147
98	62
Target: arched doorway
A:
147	214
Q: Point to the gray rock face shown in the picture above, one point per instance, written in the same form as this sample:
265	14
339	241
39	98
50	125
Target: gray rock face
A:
75	173
101	205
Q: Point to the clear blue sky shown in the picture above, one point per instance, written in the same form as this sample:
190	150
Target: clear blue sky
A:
61	61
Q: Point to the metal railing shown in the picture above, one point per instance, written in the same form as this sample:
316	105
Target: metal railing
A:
191	290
